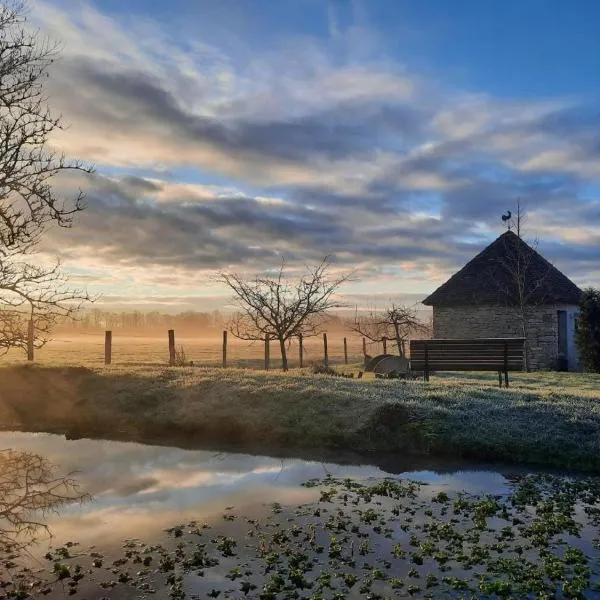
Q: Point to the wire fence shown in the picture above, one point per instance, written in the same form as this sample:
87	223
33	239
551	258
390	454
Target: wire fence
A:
126	350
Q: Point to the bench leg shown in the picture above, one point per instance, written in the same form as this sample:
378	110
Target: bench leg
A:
499	378
505	378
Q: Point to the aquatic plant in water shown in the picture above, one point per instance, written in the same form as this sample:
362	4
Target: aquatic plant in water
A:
373	539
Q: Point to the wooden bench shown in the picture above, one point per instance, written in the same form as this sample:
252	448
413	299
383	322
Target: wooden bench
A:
481	354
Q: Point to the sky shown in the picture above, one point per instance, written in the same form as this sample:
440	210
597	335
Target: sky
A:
388	135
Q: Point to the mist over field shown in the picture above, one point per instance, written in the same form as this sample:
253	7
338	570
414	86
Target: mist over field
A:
299	299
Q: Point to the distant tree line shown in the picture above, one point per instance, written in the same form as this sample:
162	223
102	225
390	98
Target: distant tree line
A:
96	320
200	322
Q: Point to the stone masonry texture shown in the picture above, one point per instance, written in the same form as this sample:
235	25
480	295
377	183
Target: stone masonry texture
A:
495	320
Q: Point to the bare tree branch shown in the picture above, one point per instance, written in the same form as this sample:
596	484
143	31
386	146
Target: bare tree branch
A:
280	308
393	323
28	203
29	490
33	293
519	284
27	165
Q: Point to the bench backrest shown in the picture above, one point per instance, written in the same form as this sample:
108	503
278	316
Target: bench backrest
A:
479	354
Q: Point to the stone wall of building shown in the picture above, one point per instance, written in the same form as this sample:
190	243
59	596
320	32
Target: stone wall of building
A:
504	321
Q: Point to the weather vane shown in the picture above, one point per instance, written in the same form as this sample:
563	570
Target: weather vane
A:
506	219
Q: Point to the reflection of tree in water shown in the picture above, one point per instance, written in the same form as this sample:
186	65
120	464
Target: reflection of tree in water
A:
30	489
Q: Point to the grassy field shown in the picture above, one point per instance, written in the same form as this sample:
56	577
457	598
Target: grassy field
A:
550	419
134	351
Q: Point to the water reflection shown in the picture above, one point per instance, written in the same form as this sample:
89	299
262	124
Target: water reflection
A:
143	489
30	489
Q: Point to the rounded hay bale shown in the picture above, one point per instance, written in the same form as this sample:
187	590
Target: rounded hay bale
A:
370	366
389	364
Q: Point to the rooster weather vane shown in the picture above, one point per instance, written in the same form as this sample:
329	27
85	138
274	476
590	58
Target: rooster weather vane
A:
506	219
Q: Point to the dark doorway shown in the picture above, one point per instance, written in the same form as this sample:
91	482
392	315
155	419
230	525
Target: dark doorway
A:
563	359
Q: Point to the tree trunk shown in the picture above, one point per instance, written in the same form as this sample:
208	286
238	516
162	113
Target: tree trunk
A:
525	331
284	360
398	340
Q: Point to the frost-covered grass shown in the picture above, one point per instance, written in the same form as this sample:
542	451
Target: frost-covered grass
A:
544	418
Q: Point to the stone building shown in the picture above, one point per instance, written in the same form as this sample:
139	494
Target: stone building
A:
510	290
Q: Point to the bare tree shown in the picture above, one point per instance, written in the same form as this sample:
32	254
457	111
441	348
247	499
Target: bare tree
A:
28	203
393	323
280	308
33	294
520	277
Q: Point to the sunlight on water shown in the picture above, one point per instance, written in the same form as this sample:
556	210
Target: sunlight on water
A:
202	518
139	489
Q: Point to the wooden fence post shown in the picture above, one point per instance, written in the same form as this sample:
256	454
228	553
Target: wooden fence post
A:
345	351
107	347
301	350
325	353
225	349
30	332
267	352
171	347
384	340
364	348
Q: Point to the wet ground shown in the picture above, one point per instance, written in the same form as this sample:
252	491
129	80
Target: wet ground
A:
167	522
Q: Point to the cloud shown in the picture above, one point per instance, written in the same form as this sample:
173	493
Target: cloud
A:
213	158
125	222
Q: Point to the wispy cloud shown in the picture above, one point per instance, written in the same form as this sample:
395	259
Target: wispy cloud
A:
299	152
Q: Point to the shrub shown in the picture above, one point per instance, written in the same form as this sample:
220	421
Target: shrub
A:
321	369
180	358
587	335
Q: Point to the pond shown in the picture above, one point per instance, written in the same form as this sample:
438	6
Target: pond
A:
179	523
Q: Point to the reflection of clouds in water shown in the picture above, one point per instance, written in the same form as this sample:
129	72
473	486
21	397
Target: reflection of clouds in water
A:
107	526
140	490
471	482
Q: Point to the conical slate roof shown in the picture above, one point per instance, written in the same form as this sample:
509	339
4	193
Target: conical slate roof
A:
496	275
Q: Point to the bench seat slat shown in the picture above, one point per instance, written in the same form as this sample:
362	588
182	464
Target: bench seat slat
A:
498	342
468	362
489	349
467	353
470	367
481	354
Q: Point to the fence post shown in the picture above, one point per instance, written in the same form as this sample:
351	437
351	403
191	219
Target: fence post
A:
325	353
384	340
171	347
30	332
225	349
107	347
301	350
267	352
345	351
364	348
